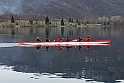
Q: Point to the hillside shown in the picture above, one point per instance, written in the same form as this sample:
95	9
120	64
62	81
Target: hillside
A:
65	8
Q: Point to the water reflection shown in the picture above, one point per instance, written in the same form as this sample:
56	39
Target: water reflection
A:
101	64
60	48
47	31
65	31
62	31
71	65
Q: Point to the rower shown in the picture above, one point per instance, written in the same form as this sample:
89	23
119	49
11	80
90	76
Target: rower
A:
88	39
38	39
47	40
59	39
80	39
67	39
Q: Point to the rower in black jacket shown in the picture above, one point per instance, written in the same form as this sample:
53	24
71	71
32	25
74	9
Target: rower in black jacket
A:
67	39
47	40
38	39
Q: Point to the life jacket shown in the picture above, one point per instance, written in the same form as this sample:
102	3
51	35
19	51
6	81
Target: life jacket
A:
59	39
87	39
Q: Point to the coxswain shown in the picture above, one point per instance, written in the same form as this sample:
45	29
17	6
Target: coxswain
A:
88	39
67	39
59	39
38	40
47	40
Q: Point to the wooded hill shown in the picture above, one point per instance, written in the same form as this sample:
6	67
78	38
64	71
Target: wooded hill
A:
75	8
64	8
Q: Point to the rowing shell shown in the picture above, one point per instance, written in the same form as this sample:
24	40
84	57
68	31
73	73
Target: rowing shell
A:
65	43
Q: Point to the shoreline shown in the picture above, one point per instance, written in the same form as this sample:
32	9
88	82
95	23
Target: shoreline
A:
42	24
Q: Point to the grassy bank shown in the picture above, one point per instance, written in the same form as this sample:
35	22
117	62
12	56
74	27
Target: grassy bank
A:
25	23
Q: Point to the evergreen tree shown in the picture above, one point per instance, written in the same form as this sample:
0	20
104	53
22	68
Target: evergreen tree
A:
108	23
69	20
12	19
47	20
77	21
62	22
87	22
72	20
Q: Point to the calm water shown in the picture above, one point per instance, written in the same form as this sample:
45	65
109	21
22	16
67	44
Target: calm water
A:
28	65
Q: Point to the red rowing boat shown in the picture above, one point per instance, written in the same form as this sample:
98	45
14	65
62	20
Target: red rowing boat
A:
71	42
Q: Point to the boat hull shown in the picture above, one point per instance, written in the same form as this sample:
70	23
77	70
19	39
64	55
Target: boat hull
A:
65	43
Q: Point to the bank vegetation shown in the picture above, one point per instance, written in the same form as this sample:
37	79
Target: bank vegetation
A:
37	20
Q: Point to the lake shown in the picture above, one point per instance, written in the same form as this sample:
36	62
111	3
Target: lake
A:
100	64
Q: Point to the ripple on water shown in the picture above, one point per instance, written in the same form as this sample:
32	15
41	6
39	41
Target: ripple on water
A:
5	45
